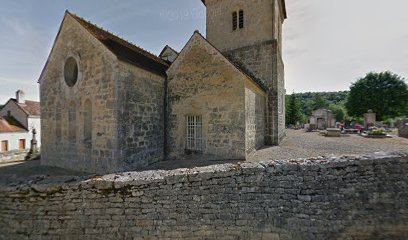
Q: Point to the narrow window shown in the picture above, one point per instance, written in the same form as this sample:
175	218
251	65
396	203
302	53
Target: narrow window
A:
241	19
194	133
234	21
58	127
21	144
72	123
4	146
88	123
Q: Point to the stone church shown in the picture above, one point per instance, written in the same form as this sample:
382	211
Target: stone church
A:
108	105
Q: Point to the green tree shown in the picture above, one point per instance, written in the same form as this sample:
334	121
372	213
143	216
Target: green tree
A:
293	112
319	102
385	93
338	112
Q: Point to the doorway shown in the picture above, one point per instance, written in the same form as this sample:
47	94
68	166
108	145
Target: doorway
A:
4	146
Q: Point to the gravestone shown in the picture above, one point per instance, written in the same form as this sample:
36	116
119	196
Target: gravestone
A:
403	129
369	119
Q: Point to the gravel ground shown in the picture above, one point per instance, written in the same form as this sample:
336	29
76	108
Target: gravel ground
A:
300	144
297	144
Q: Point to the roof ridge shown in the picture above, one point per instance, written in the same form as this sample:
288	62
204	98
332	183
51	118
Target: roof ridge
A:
127	42
171	48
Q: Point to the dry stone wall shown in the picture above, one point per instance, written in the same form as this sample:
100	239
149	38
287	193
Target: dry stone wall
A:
325	198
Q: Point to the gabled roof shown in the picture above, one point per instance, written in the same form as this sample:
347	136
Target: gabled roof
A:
10	124
235	63
167	47
166	52
32	108
123	49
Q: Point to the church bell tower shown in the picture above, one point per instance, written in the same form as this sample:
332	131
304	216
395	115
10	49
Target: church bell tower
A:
250	32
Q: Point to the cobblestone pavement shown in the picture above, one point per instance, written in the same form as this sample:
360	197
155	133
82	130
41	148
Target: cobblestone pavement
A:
297	144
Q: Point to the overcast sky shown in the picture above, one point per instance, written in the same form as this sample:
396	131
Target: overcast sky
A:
327	43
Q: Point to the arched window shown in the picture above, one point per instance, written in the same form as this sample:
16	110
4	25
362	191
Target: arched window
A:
234	21
58	127
241	19
88	123
72	123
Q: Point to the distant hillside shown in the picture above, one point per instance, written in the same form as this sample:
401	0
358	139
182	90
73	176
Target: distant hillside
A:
332	98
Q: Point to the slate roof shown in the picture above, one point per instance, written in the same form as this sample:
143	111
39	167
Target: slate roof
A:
125	50
10	124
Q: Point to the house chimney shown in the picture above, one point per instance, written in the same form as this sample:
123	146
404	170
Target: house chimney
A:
20	97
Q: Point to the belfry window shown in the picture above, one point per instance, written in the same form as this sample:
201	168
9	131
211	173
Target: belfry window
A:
234	21
241	19
194	133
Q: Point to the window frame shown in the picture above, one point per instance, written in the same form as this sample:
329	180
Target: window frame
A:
194	133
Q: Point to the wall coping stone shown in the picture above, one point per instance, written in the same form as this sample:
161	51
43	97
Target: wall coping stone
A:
47	185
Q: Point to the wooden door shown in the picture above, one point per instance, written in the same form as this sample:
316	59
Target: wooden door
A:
4	146
22	144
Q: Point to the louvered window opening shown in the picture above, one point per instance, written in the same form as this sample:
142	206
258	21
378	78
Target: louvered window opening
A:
194	133
241	19
234	21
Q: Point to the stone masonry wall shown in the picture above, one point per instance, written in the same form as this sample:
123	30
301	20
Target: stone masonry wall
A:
258	23
96	84
255	108
201	82
258	46
266	63
325	198
140	116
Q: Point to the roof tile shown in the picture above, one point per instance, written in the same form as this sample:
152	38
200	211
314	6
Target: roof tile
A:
10	124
